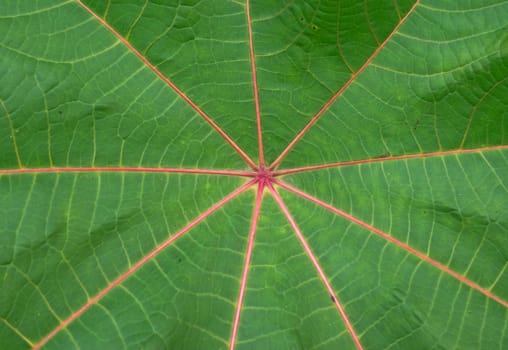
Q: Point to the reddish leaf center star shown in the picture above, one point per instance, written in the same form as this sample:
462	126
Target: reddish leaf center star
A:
264	175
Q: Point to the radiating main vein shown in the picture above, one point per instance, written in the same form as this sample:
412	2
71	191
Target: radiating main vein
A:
255	87
389	158
126	170
246	266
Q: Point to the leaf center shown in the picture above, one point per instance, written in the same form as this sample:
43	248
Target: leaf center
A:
264	175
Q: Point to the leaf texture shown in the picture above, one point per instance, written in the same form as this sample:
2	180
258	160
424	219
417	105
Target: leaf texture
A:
253	175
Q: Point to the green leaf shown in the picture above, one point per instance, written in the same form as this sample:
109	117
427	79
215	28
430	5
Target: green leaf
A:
268	175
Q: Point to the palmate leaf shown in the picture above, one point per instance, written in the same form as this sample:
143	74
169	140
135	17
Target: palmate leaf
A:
265	175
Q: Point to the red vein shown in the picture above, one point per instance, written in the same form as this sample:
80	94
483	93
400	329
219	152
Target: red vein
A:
126	170
341	91
141	262
250	246
255	86
320	271
400	244
382	159
171	84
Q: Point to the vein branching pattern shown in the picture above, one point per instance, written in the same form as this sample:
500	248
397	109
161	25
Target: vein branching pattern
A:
192	180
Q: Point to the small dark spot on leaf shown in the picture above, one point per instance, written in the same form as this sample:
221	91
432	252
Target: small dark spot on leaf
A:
417	123
333	298
314	27
302	19
179	260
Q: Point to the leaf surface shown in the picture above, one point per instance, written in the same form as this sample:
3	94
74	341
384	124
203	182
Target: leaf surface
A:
253	175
